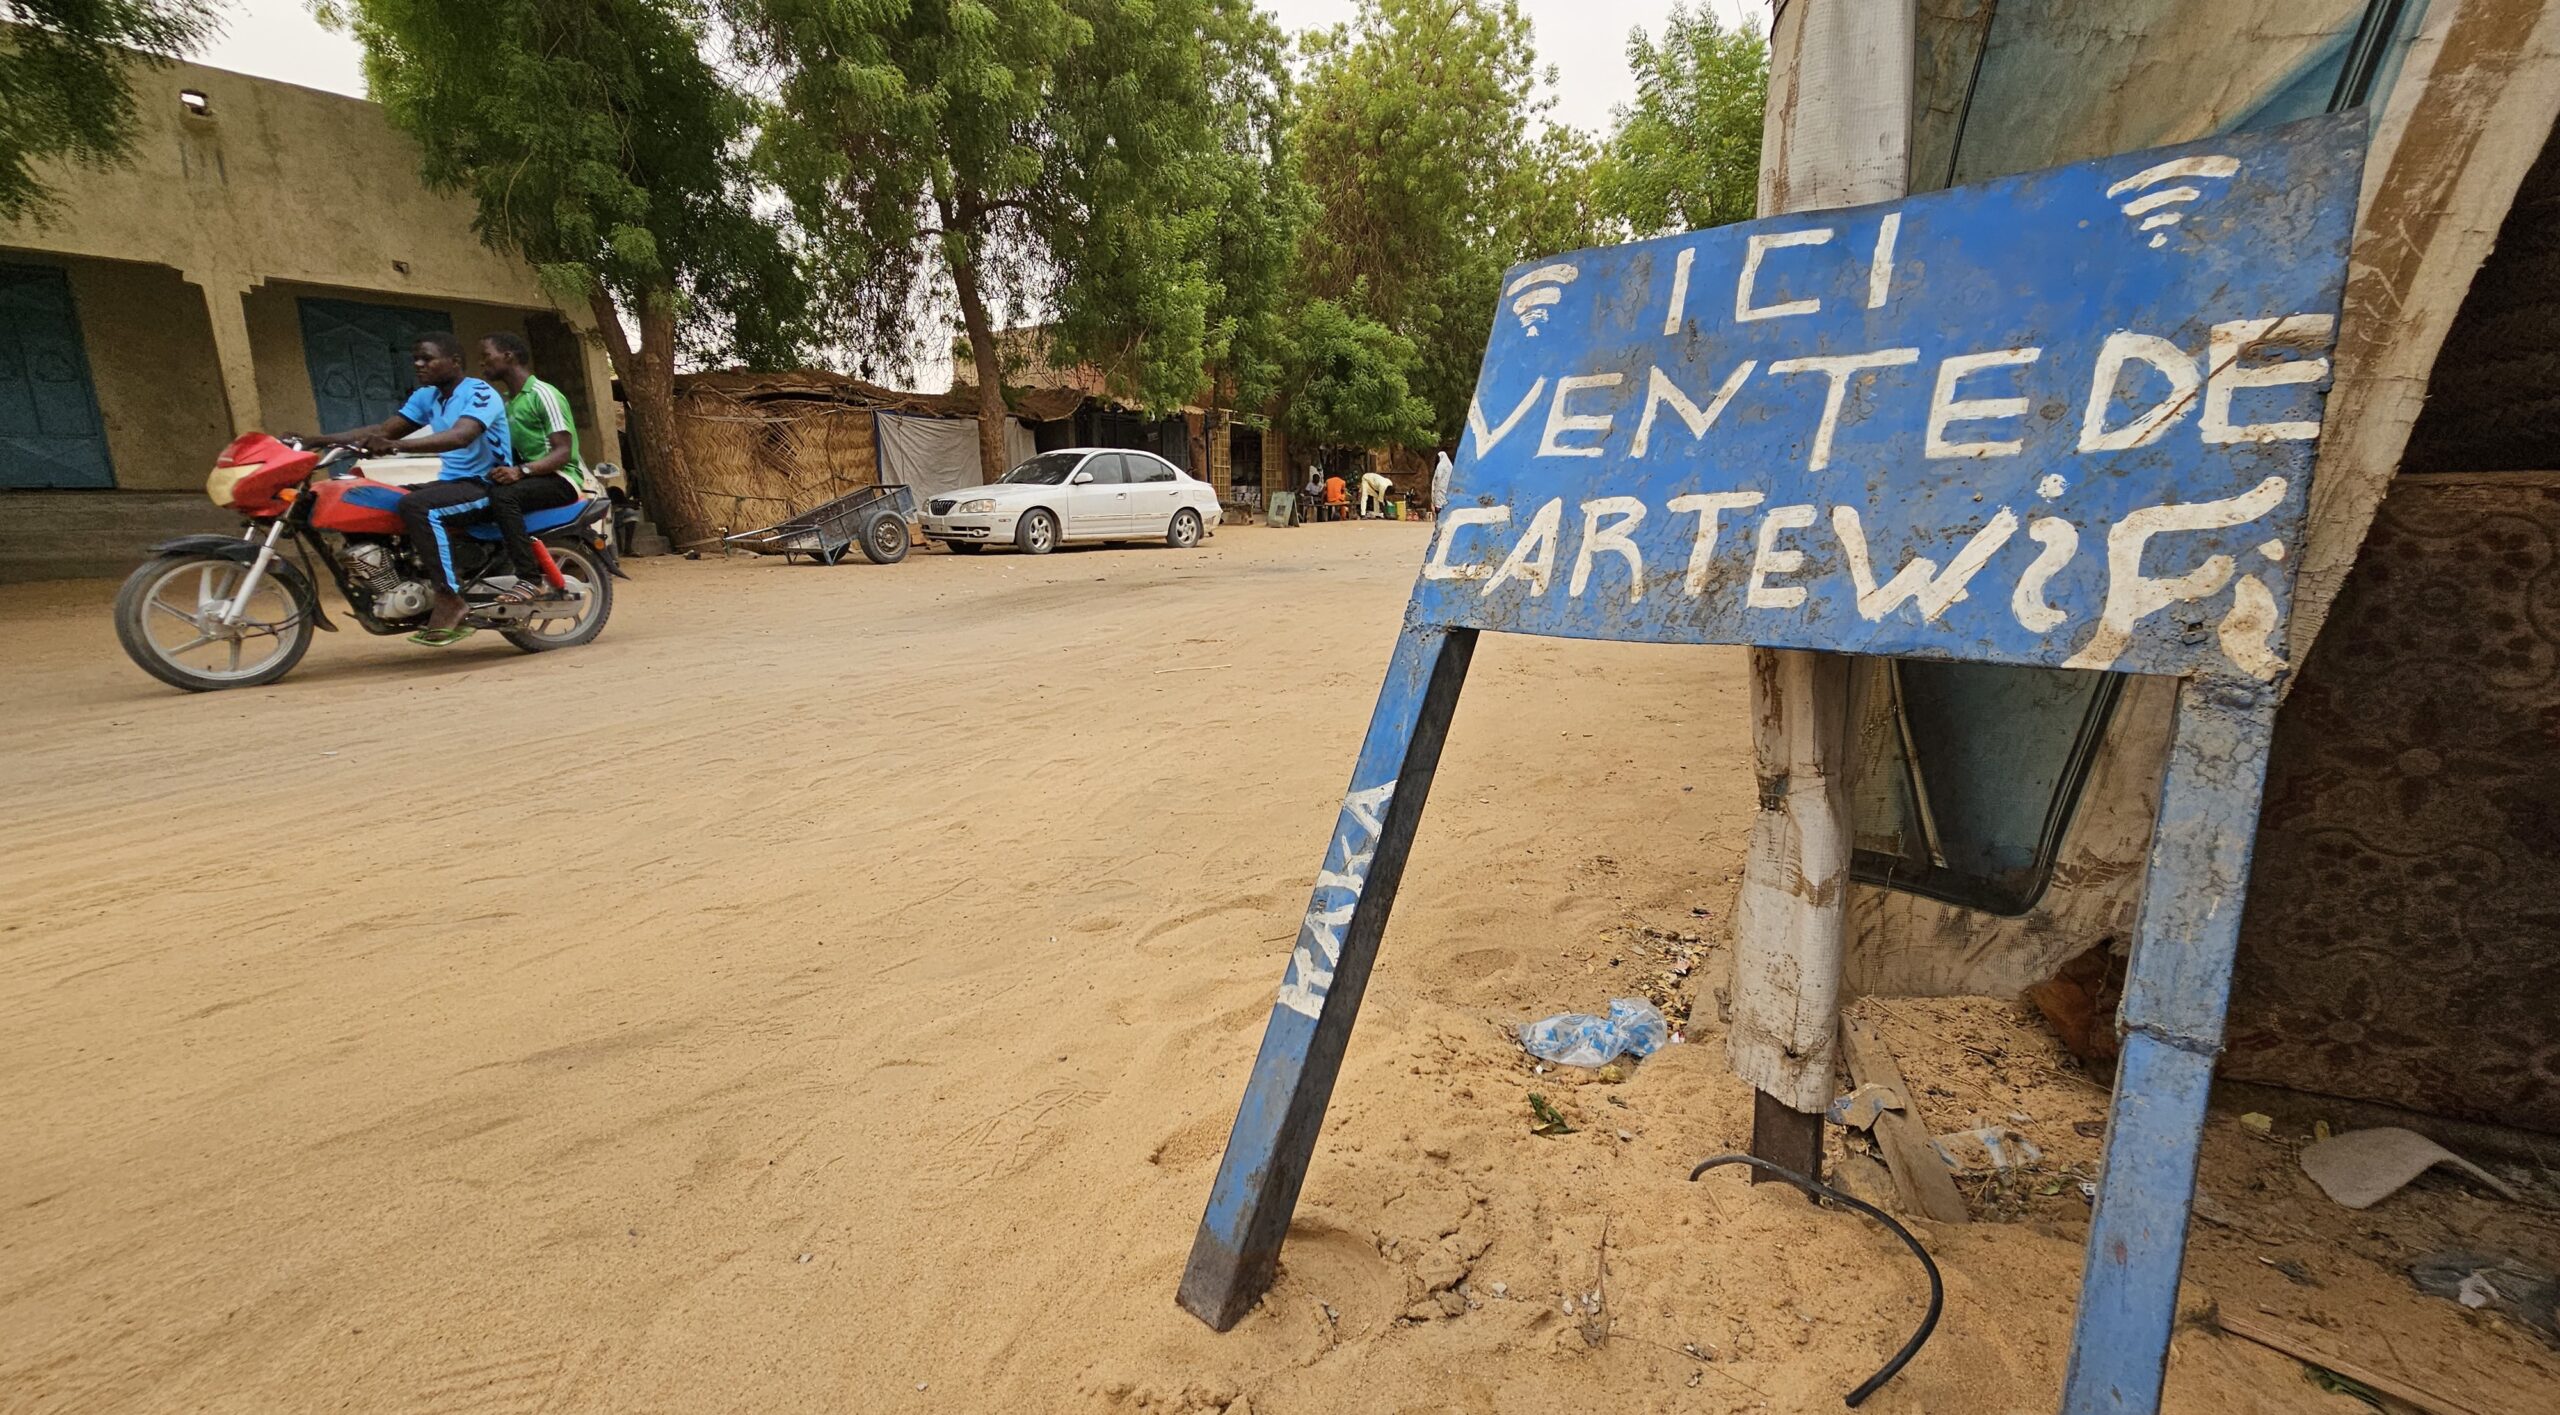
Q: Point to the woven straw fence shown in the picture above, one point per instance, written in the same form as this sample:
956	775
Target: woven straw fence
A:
748	465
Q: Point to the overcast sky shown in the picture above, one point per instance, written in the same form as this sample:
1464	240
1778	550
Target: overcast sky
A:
1586	40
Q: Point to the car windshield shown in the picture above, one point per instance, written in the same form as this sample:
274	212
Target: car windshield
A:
1047	469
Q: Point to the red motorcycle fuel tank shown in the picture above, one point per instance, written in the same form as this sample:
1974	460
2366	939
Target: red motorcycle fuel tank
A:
356	506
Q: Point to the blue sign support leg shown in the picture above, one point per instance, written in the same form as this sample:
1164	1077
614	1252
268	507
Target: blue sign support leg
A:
1237	1251
2171	1021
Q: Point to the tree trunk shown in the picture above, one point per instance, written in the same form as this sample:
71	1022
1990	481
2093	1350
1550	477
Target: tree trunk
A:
990	362
648	374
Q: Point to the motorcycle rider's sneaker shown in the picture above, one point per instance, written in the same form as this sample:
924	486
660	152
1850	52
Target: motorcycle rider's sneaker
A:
443	638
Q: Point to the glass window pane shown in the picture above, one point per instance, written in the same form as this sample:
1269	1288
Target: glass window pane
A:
1966	774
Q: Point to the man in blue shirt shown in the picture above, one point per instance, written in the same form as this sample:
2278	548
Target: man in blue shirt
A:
463	419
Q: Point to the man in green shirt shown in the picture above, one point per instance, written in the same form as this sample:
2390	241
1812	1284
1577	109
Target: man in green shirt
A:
547	473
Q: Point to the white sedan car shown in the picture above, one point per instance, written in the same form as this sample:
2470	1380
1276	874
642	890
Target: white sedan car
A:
1076	494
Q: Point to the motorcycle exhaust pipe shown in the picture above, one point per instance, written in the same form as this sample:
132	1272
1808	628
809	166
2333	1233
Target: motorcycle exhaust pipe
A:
550	567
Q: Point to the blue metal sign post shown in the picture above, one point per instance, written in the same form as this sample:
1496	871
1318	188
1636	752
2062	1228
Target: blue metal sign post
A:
2063	419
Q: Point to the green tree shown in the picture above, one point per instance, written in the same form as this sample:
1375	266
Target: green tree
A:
62	82
599	143
1416	140
1560	206
1043	157
1686	154
1347	381
1258	209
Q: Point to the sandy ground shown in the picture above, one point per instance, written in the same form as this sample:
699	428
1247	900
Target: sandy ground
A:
830	991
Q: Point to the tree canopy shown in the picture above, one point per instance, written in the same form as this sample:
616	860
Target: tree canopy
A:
63	94
1257	210
597	141
1686	154
1147	183
1413	139
1062	159
1348	381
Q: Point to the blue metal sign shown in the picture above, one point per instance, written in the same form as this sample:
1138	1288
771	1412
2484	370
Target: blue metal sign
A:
2062	419
2066	419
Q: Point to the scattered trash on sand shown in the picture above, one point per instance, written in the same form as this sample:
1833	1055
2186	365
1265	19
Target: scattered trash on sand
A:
2361	1168
2510	1287
1859	1109
1634	1027
1920	1181
1550	1121
1991	1149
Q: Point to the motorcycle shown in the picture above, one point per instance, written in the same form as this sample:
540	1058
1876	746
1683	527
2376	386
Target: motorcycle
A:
212	611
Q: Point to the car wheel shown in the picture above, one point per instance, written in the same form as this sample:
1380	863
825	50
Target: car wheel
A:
1038	533
1185	532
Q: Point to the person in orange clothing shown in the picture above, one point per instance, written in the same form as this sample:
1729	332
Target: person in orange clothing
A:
1336	503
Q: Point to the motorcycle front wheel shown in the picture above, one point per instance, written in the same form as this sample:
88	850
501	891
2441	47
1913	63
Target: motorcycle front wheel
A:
575	621
171	617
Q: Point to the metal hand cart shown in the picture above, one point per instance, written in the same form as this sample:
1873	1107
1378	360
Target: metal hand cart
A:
874	518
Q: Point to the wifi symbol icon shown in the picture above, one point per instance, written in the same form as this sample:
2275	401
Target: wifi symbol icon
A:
2159	209
1535	291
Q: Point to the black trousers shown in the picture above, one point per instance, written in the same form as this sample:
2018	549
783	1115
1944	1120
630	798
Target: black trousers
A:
437	514
441	512
507	505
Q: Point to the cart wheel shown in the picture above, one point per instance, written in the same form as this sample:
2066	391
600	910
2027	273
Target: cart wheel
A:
884	539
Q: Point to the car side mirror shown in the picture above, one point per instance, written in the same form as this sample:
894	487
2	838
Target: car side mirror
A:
1080	479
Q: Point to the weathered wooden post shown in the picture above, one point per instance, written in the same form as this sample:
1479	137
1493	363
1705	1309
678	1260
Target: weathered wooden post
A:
1837	133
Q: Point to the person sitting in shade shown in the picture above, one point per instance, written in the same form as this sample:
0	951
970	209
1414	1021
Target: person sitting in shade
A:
1337	501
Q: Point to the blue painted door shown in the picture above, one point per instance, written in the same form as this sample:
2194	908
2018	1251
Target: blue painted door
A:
50	431
359	358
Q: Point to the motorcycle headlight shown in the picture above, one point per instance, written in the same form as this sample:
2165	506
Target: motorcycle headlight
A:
980	507
224	482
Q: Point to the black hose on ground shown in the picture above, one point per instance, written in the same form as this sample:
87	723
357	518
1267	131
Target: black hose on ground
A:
1820	1190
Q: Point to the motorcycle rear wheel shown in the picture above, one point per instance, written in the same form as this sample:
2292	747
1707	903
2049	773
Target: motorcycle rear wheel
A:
580	567
165	620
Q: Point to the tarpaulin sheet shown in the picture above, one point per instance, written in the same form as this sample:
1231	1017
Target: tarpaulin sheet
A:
936	455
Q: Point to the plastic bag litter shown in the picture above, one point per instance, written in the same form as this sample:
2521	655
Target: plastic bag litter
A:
1633	1027
1993	1149
2509	1286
